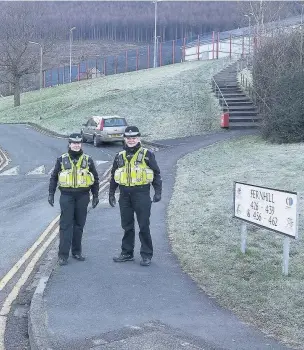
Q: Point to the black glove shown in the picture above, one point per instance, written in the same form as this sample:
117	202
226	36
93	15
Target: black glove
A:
95	201
157	197
112	199
51	199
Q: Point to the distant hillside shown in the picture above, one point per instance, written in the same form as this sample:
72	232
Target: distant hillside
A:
133	21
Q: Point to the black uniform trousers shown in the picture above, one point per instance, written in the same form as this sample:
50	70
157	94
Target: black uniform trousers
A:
138	202
74	206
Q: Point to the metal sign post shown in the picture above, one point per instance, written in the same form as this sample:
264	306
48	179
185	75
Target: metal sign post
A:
243	238
286	246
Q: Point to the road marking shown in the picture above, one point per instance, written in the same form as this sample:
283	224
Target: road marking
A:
11	171
29	269
5	159
28	253
98	162
22	280
21	261
50	172
38	171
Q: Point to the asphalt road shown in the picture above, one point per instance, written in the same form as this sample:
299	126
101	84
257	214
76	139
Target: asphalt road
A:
102	305
24	210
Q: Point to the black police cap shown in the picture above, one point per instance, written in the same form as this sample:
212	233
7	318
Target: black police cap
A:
131	131
75	138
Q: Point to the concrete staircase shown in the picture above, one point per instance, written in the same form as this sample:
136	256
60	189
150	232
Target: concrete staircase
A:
242	112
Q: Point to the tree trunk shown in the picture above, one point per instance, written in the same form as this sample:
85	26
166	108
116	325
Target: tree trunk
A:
17	92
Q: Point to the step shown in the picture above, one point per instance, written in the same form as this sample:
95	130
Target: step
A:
228	90
243	125
240	103
245	108
243	113
228	94
236	99
244	119
224	83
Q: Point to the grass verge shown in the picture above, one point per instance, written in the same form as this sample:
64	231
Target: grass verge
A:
167	102
207	239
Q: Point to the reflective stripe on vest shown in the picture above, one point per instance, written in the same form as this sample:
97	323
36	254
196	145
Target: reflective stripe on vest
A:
134	172
75	175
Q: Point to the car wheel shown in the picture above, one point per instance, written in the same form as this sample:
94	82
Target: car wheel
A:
95	142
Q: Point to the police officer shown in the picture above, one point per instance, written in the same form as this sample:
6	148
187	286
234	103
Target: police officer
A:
76	175
134	170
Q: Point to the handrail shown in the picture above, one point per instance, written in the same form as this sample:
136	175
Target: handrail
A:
252	91
219	90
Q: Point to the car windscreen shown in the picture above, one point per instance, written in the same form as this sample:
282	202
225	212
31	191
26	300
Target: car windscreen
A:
115	122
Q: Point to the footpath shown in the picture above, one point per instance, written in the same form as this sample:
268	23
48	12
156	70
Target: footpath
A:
102	305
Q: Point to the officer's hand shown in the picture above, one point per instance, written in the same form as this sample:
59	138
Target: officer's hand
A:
51	199
112	199
95	201
157	197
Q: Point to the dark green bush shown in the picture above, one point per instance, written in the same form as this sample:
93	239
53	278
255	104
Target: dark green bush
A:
278	75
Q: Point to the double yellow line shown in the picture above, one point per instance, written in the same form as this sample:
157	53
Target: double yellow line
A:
50	233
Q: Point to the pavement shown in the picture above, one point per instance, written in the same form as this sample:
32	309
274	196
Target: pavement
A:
102	305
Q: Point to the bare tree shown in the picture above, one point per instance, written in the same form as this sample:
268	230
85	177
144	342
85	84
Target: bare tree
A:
18	26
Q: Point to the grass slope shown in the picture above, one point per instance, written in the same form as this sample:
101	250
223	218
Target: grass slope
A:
207	239
166	102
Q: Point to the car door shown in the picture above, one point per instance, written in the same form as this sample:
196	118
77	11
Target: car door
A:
89	130
85	129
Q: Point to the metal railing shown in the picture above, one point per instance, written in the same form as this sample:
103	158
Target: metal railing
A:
218	94
248	88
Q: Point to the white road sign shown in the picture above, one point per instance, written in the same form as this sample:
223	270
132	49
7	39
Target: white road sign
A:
276	210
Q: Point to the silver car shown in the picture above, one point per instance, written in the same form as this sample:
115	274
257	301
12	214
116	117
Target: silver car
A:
100	129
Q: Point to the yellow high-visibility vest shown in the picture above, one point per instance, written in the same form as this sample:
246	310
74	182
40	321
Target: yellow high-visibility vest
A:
75	175
134	172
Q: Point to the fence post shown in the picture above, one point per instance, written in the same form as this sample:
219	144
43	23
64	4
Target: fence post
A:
136	59
213	45
160	54
105	66
218	45
43	73
78	69
184	50
126	69
58	76
198	47
230	47
116	61
173	51
148	52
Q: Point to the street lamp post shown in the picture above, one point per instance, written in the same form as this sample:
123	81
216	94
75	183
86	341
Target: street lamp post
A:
155	32
71	41
41	75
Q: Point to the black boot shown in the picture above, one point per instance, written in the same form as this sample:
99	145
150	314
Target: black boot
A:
123	257
78	257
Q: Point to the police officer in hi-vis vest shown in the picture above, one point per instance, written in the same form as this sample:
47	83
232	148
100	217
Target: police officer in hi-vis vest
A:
75	174
134	170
